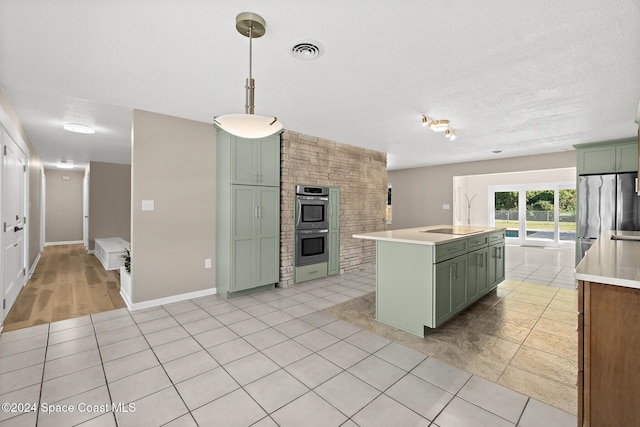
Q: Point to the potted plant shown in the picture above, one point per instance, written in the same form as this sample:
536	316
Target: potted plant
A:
125	273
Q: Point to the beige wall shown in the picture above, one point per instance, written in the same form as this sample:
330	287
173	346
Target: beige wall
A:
419	194
173	164
63	206
361	176
109	201
12	124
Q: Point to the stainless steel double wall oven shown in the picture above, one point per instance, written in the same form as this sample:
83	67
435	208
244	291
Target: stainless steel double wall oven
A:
312	224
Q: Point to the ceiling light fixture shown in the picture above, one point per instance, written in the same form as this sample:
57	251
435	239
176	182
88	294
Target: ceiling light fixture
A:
78	128
249	125
65	164
439	126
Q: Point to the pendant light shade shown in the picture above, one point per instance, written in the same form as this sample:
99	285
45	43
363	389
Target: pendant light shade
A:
249	125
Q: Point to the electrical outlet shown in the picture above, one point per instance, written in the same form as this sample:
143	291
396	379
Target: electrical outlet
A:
446	206
207	263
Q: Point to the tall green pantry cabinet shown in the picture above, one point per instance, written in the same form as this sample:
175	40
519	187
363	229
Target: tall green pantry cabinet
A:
247	214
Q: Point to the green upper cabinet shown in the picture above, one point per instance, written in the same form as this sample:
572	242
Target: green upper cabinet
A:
607	158
334	231
254	161
627	157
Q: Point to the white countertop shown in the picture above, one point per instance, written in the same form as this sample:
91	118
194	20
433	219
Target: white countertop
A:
417	235
612	262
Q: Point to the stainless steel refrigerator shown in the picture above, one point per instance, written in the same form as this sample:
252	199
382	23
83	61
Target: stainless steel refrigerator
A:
606	202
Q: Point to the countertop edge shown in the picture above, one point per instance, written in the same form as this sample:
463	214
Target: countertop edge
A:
416	235
611	262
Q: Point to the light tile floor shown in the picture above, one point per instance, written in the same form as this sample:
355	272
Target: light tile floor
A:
540	265
264	360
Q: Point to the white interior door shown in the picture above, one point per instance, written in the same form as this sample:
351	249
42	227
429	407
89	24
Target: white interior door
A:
13	222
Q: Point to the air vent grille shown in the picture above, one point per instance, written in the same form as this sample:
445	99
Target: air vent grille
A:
306	50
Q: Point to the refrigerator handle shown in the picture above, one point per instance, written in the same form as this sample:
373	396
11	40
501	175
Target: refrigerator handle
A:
637	189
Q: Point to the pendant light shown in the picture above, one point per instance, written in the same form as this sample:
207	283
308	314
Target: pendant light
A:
249	125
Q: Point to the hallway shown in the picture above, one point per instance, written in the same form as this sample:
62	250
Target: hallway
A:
67	282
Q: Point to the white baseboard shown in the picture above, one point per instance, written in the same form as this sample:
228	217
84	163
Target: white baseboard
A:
167	300
34	265
70	242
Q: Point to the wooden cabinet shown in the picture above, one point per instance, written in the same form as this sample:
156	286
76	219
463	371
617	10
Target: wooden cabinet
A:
334	231
608	355
613	157
247	213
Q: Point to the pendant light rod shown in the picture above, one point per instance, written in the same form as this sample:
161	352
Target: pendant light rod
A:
253	26
250	85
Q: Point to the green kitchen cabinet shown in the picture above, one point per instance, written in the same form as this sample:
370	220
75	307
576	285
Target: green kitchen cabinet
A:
334	231
496	264
254	236
477	276
450	287
608	157
627	157
247	214
252	161
421	286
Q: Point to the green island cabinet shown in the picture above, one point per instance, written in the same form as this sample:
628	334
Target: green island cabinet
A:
247	214
419	287
607	157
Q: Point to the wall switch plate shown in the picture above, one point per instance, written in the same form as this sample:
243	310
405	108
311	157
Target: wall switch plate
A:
207	263
446	206
148	205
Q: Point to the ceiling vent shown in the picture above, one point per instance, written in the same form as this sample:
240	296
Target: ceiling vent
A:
306	49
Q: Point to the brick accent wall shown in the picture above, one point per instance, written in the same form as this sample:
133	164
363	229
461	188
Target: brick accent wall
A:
361	175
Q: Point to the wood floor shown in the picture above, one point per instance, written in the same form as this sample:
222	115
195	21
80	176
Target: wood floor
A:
68	282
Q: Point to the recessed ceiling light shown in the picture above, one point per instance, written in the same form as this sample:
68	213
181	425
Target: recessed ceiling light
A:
78	128
495	151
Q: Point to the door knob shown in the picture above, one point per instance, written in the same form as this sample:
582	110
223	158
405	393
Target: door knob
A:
16	228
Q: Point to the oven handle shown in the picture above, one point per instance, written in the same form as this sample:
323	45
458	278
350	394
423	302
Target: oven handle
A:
312	231
312	198
299	203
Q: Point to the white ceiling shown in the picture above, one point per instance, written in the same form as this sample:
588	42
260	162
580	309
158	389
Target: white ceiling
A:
521	76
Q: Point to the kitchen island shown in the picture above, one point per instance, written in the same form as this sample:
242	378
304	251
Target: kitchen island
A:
608	331
427	275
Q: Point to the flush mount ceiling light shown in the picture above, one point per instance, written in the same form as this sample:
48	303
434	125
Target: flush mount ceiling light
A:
249	125
439	126
65	164
78	128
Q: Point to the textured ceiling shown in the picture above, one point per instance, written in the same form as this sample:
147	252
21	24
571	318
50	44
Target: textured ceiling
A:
518	76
